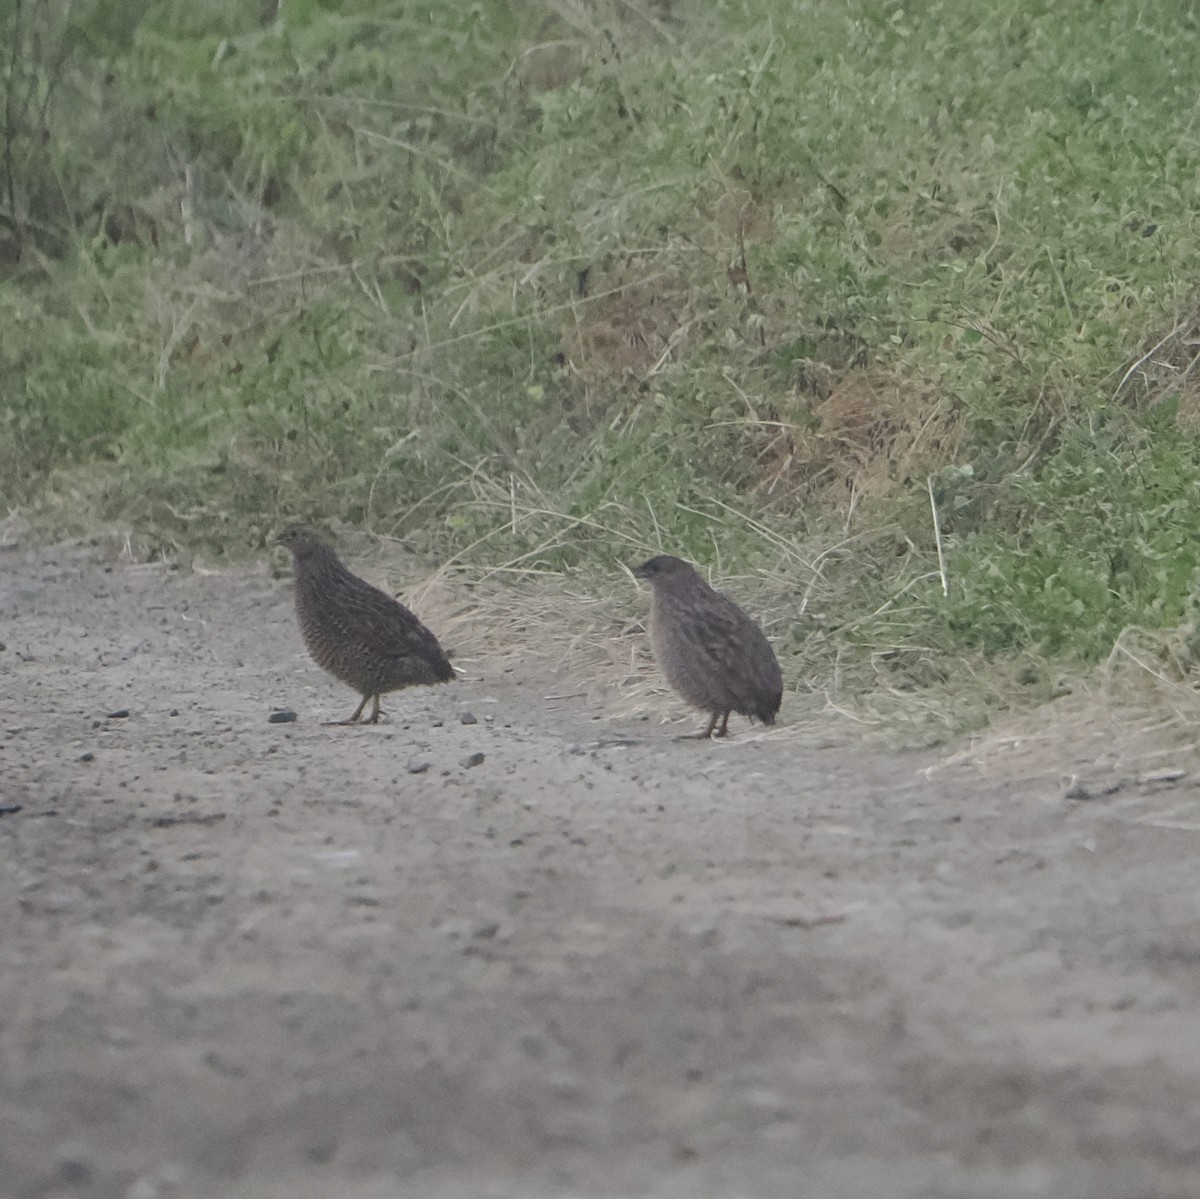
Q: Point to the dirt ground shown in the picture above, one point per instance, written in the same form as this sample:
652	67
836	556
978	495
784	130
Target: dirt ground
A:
256	960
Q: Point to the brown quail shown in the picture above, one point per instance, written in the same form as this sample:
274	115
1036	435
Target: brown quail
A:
358	633
712	653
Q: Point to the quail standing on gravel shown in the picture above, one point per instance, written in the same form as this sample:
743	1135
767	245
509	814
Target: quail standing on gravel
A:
358	633
712	653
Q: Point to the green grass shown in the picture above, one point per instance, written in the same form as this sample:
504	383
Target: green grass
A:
476	275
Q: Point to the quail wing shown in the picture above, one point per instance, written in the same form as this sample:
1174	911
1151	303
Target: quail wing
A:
737	649
391	629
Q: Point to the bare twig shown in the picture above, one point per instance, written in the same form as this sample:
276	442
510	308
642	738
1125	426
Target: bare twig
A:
1062	286
937	533
1147	356
417	151
10	173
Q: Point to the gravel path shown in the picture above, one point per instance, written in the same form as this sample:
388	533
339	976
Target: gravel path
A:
509	946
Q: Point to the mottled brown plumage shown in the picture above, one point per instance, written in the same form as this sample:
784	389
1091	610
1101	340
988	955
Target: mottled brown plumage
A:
358	633
712	653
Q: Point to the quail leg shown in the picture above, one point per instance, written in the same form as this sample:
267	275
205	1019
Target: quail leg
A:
357	713
708	732
724	725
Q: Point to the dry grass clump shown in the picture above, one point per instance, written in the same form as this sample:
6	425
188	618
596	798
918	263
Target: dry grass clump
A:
625	327
869	435
575	37
1166	369
587	635
1127	720
585	629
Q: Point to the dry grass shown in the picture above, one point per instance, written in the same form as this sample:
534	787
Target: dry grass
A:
869	435
1166	367
630	331
1126	720
581	635
585	631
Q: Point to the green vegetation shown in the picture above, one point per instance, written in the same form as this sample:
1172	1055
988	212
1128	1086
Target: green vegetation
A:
762	282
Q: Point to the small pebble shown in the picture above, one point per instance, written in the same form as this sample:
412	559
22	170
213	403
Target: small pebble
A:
1166	775
169	820
417	766
73	1162
469	927
467	718
470	760
1092	790
281	716
87	757
119	714
321	1152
